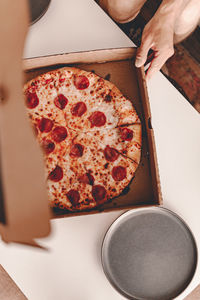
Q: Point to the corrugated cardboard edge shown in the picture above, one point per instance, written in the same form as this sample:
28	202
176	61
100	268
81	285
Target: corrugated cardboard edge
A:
101	56
150	135
92	56
8	288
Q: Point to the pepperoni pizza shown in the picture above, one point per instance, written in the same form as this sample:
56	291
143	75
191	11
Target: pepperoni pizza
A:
90	134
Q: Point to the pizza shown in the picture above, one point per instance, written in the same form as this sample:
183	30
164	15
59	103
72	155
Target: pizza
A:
90	135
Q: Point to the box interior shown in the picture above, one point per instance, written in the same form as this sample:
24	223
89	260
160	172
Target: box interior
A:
144	189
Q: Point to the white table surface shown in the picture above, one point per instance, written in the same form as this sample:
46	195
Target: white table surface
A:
71	268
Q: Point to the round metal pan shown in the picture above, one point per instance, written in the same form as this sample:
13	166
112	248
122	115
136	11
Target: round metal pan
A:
38	9
149	254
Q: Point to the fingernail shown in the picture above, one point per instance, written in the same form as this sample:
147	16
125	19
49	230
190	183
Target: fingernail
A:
138	63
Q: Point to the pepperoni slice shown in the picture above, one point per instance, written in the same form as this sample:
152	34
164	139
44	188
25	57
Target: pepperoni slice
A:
81	82
87	178
61	79
59	134
98	192
126	134
47	81
97	119
73	196
60	101
118	173
48	146
45	125
110	154
78	109
56	175
76	150
32	100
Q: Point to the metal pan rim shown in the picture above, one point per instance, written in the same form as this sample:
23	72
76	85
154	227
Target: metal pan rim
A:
135	211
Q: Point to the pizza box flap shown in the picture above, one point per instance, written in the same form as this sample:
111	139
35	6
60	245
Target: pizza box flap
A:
93	56
25	212
24	205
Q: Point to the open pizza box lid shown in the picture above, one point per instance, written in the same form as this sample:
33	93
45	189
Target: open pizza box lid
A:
24	219
24	211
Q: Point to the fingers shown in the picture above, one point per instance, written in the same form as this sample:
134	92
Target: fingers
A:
150	57
142	53
157	63
154	67
158	38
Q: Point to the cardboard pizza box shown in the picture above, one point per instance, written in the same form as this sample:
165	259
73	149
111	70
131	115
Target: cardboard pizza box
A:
117	65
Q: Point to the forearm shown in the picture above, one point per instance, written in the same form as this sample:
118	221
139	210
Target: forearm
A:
170	10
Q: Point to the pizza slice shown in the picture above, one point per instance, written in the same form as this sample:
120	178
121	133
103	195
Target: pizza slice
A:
43	101
52	137
97	177
126	140
92	101
86	178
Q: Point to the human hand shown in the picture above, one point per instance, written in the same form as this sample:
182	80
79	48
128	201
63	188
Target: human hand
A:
157	35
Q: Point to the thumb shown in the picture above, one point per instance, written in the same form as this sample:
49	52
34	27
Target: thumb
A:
141	55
